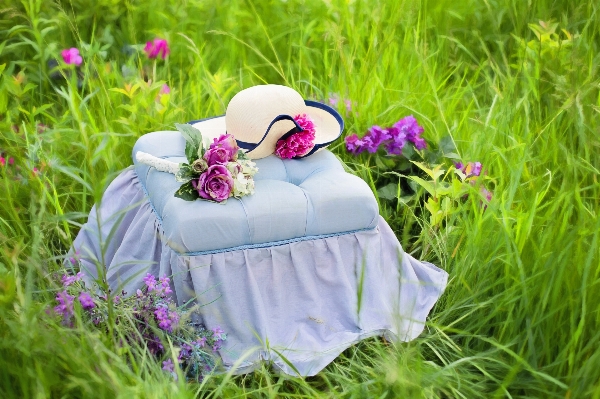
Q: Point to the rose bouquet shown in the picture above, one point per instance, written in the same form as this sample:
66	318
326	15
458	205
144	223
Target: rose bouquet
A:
214	172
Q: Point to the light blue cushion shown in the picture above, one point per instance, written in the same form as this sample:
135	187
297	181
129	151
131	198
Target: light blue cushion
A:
293	199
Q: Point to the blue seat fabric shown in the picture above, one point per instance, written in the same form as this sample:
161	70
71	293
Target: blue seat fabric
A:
293	199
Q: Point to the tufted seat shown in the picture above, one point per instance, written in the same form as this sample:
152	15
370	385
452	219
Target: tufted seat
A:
293	199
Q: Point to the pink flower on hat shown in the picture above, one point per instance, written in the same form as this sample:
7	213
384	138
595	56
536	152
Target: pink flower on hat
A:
157	47
298	144
71	56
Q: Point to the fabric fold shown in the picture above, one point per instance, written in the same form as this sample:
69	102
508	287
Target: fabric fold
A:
305	300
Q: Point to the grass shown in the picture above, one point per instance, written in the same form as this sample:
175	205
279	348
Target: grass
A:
520	315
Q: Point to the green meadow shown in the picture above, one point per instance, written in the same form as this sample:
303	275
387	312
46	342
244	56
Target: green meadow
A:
513	84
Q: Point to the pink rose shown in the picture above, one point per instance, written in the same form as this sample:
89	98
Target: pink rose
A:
228	143
157	47
217	156
215	184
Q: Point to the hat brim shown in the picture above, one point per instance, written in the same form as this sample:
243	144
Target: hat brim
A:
328	128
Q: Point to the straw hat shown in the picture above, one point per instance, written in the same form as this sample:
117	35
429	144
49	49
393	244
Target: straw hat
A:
261	115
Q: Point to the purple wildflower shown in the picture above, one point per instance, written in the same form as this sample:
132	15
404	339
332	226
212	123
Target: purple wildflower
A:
86	301
68	280
168	366
354	144
166	288
475	168
348	104
65	305
201	342
375	137
413	131
397	142
333	99
217	345
150	281
218	333
459	165
486	193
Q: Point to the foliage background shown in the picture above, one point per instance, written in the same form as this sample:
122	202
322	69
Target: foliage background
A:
520	315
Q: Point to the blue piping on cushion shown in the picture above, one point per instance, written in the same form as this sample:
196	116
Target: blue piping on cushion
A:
276	243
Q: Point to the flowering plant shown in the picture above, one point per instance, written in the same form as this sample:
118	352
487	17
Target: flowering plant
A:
407	163
154	316
297	144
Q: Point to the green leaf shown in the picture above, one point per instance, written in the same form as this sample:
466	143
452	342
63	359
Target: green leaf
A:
434	173
193	141
379	163
388	192
185	173
187	192
427	185
452	155
409	151
242	155
447	145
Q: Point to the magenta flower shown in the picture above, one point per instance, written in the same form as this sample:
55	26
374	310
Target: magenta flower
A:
354	144
297	144
71	56
306	123
222	150
2	161
157	47
215	184
86	301
165	89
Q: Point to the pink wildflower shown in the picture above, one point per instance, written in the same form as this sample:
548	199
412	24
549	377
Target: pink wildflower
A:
71	56
157	47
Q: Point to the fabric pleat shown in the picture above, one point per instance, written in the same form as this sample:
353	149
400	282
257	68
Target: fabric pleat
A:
305	301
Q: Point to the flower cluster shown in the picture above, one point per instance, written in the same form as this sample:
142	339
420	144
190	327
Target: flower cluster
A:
154	315
393	138
214	174
297	144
